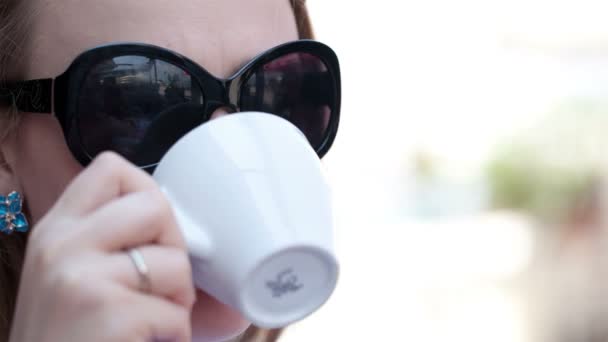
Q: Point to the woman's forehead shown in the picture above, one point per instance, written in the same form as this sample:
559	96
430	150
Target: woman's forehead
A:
220	35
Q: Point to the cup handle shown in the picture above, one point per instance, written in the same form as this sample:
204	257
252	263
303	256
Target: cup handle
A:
198	242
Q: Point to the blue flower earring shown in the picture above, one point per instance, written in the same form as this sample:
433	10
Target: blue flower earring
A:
11	217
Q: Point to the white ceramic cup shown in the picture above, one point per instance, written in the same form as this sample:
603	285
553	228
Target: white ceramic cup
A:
254	206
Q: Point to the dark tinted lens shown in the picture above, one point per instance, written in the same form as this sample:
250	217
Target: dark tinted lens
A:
138	107
296	86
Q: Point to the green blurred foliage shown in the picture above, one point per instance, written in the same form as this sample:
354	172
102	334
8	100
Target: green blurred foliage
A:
520	180
546	169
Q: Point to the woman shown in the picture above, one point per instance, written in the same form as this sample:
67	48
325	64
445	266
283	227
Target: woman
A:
105	260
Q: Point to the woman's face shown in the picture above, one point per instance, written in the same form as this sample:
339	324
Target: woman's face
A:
220	35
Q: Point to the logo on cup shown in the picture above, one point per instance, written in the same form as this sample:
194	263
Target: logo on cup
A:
286	281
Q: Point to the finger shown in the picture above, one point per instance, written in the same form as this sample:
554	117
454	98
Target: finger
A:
109	176
147	318
215	321
169	272
135	219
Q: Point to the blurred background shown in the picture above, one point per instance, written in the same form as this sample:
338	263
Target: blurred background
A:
470	179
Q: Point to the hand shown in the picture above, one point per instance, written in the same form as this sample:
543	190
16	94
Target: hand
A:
79	284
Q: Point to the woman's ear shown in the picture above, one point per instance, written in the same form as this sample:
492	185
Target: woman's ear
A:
8	179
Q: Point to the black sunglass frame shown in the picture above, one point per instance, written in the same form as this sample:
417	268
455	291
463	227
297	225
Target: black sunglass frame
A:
60	95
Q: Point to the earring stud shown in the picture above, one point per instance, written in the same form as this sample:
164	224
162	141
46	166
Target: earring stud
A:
11	217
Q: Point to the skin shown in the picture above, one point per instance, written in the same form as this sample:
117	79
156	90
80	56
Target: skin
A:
70	207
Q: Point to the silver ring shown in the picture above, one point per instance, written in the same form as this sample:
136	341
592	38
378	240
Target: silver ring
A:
142	269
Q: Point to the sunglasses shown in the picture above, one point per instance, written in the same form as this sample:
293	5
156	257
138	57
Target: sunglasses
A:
138	99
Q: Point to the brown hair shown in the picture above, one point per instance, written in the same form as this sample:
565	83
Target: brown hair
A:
12	247
13	23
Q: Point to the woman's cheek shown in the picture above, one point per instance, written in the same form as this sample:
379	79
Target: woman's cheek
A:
42	162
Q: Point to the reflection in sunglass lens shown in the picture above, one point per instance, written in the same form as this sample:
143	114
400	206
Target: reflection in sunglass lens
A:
297	87
136	106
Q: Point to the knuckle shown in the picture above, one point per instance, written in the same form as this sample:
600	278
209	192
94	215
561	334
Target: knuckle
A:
150	215
156	199
159	208
180	324
76	291
160	200
108	163
108	158
182	268
183	272
45	258
130	328
187	295
67	280
118	327
43	233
